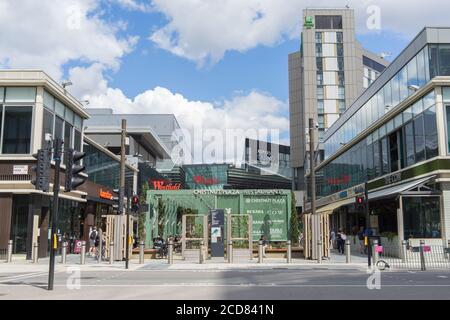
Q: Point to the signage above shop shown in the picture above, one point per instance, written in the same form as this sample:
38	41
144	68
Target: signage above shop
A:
204	180
337	181
393	178
163	185
105	194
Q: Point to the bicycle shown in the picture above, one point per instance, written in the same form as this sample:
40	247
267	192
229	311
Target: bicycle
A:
382	265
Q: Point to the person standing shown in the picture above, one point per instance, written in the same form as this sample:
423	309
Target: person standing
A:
332	239
264	245
362	247
341	237
92	242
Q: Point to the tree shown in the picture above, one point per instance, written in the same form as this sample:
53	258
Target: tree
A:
295	232
143	215
161	217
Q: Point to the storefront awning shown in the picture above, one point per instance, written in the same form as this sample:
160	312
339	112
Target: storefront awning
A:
391	191
332	206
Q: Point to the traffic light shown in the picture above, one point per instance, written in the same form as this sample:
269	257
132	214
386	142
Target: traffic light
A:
42	170
135	203
73	179
360	200
118	201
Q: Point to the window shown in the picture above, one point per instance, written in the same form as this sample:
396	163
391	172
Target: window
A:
320	119
341	93
421	72
341	78
444	60
328	22
340	65
376	159
320	93
412	75
387	97
49	101
320	106
17	130
421	217
409	143
319	78
340	49
403	83
319	64
59	127
77	140
47	126
68	135
431	136
20	94
318	37
319	50
2	94
384	155
341	104
339	37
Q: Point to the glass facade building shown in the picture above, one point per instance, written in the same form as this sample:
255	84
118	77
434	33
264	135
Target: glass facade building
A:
394	141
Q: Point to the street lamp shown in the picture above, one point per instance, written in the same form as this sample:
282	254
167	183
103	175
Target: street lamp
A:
66	84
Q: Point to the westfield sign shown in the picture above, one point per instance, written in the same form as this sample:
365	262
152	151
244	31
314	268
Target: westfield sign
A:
203	180
162	185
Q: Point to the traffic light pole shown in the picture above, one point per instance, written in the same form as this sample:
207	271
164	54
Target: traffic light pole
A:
57	147
127	210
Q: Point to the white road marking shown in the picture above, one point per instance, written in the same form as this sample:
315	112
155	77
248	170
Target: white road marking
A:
23	276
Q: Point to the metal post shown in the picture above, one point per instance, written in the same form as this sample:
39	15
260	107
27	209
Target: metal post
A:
10	250
111	252
367	212
201	252
83	252
375	253
170	256
319	251
141	252
422	256
348	253
35	252
100	246
57	150
230	251
404	251
312	175
127	245
64	252
250	236
448	249
260	251
289	251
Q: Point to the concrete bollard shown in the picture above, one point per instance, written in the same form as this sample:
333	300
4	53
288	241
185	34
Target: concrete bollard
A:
10	250
64	252
422	256
260	251
319	251
111	252
170	253
230	251
348	254
375	253
35	252
201	252
83	252
141	252
100	246
289	251
404	251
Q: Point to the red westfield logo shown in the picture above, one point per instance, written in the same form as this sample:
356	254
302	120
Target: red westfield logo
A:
203	180
161	185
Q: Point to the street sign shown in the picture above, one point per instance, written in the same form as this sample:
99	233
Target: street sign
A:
217	225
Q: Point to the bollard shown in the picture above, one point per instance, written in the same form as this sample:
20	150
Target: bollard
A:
201	252
10	249
230	251
404	251
319	251
289	251
83	252
422	256
64	252
141	252
170	255
375	253
111	252
100	246
35	252
348	254
260	251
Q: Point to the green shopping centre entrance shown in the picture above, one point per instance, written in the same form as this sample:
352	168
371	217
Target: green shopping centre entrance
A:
270	210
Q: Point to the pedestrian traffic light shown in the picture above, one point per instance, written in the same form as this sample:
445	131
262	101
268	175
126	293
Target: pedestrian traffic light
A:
73	179
360	201
135	203
42	170
118	201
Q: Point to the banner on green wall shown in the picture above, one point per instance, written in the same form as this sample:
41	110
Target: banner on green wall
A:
270	216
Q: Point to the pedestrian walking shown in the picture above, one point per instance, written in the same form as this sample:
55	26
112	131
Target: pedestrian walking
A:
332	239
362	246
264	245
92	242
341	237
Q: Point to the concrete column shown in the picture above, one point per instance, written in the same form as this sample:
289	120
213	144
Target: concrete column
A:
348	253
288	251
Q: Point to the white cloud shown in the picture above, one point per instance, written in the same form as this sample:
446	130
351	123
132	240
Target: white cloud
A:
48	34
203	30
143	6
246	114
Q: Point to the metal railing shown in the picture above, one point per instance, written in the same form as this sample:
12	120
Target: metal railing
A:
3	254
407	257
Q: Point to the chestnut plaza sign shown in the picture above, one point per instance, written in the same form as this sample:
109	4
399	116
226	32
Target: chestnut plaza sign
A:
270	210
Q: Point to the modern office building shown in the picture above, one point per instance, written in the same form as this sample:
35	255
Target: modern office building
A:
325	77
33	105
395	139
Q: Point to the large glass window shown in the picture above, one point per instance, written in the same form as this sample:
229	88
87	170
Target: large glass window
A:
47	125
384	155
68	135
328	22
409	143
444	60
17	130
419	137
77	140
412	75
59	127
431	135
20	94
421	217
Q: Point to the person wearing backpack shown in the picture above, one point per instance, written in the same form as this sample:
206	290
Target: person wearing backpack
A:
362	247
92	239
